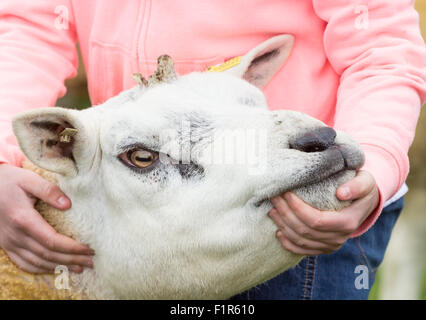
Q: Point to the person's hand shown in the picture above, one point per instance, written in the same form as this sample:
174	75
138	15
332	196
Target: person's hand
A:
29	241
307	231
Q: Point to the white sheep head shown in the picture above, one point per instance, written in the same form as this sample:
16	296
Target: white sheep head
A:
154	194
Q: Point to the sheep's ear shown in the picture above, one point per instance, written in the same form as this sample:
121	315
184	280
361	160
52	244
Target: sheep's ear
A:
52	138
261	63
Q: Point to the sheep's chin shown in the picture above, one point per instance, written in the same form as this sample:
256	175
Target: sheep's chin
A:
322	195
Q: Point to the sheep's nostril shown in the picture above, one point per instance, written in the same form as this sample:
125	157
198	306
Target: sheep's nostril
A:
315	141
312	147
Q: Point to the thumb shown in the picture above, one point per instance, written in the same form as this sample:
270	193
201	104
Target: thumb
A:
45	190
358	187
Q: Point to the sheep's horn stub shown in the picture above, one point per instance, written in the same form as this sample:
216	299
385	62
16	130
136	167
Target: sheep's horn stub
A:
165	71
138	77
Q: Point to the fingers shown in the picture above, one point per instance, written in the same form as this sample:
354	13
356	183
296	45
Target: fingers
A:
283	214
37	244
35	261
58	258
289	237
30	252
35	250
38	229
306	230
358	187
361	208
24	265
290	246
311	221
26	237
299	233
44	190
29	262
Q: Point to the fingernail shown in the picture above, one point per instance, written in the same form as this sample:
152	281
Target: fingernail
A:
345	193
89	264
279	234
76	269
62	201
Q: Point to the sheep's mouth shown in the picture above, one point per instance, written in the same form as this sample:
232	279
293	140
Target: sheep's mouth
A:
340	158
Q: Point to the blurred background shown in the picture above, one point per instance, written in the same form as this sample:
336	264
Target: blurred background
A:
403	272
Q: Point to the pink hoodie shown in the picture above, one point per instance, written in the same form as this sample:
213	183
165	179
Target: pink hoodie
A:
357	67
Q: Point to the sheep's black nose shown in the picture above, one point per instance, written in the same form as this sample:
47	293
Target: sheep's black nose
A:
314	141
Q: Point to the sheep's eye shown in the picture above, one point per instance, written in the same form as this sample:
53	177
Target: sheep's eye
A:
139	158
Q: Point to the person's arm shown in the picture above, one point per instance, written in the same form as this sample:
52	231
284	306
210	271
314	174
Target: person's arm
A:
36	56
37	53
380	55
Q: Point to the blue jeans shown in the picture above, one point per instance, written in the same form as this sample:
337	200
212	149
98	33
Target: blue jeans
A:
348	273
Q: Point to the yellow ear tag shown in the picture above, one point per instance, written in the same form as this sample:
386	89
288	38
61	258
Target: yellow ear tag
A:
66	134
226	65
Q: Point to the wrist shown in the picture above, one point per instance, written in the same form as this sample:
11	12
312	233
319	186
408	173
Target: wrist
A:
372	217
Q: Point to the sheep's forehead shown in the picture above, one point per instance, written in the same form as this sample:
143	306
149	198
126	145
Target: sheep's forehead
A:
202	91
153	125
197	101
